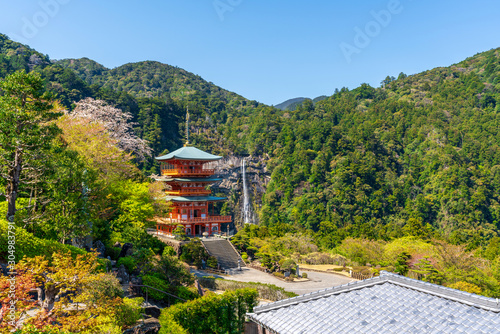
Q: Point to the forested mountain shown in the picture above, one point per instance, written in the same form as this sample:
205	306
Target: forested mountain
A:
157	95
284	105
292	104
419	155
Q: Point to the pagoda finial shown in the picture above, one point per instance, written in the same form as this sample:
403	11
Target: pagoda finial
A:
187	127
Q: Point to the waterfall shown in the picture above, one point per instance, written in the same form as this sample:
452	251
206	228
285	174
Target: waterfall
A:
246	212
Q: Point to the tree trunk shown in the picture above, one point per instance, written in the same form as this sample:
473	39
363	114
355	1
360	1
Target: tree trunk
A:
51	292
13	184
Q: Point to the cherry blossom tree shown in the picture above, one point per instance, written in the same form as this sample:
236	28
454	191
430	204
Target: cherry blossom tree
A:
116	122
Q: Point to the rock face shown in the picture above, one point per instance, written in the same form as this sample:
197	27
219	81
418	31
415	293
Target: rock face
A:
148	326
3	269
230	170
99	248
122	275
127	250
153	311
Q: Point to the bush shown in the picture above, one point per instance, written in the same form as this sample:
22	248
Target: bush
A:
207	312
288	264
362	251
212	262
193	252
467	287
244	256
112	252
157	283
129	263
187	293
278	274
129	312
102	286
30	246
304	275
169	251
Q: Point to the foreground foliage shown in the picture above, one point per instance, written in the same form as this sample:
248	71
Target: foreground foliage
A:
77	297
210	314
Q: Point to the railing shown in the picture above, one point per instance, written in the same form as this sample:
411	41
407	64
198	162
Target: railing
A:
209	219
188	192
187	172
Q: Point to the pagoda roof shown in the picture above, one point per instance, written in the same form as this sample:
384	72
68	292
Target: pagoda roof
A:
181	199
201	179
189	153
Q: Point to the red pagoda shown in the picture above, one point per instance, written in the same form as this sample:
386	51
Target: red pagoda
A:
187	180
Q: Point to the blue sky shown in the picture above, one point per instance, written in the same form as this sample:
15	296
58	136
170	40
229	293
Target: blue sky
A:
267	51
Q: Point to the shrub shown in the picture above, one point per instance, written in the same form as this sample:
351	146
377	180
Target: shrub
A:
244	256
193	252
304	275
129	263
362	251
30	246
129	312
207	311
278	274
288	264
187	293
102	286
212	262
112	252
467	287
169	250
157	283
409	245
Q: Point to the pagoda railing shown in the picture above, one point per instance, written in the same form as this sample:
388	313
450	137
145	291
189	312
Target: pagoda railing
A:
188	192
186	172
209	219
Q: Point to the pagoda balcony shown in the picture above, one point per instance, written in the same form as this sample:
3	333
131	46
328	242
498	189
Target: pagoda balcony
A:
209	219
177	172
187	192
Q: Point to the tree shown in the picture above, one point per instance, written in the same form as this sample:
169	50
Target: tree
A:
117	123
64	276
26	129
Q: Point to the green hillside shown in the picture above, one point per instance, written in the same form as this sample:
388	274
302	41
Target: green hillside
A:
419	155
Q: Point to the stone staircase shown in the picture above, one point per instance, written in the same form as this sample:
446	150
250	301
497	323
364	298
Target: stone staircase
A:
224	252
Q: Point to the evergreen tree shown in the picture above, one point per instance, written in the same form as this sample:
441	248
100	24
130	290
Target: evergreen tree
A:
26	130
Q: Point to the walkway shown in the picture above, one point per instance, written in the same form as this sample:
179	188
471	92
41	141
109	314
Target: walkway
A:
317	281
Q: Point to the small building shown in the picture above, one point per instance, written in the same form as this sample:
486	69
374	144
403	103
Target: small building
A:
186	174
389	303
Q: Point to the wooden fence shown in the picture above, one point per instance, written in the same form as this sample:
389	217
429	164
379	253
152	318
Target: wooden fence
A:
360	276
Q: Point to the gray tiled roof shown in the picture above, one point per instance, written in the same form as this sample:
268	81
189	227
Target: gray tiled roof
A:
386	304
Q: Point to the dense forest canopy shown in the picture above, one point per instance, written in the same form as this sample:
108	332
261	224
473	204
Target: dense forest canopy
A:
418	155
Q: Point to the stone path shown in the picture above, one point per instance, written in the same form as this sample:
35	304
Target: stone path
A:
317	281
